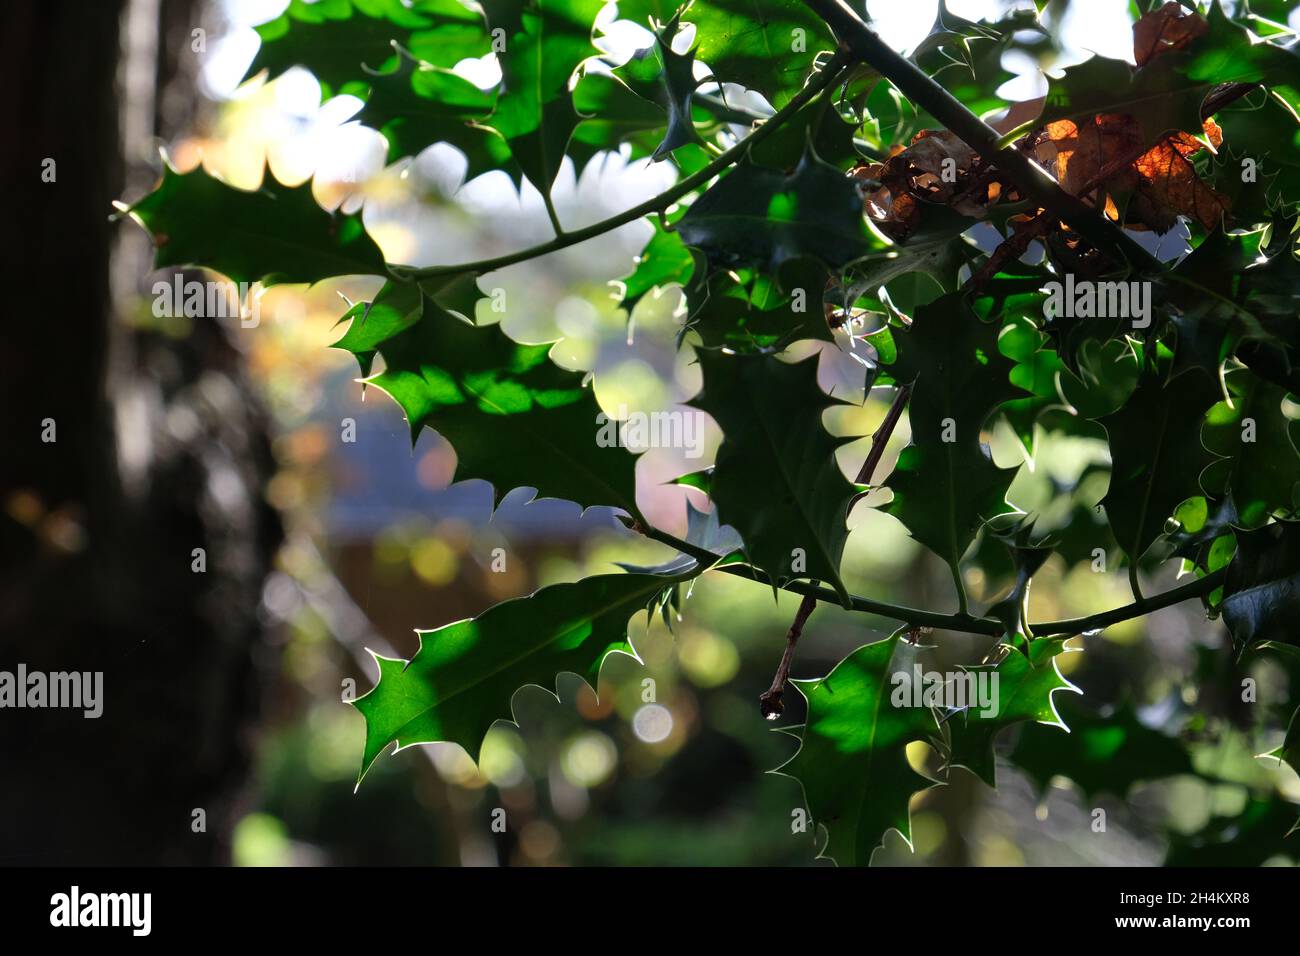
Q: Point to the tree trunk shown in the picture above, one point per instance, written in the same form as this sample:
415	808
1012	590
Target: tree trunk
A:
158	448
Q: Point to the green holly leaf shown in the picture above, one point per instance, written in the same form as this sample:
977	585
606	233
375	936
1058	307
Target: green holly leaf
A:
415	105
395	308
1268	291
613	113
1102	753
1288	655
649	13
754	312
1202	523
338	40
819	124
665	259
1022	686
852	761
1231	53
758	216
274	234
765	45
945	484
935	252
1261	596
546	41
1251	129
701	480
1156	455
1238	294
1260	464
464	676
1037	371
666	77
966	57
514	417
794	520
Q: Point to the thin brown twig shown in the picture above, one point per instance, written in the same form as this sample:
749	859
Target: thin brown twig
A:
881	437
770	702
916	617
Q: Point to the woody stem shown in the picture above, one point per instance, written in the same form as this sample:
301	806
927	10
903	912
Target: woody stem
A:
769	701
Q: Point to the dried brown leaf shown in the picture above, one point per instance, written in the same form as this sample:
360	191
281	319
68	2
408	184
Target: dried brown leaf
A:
1161	31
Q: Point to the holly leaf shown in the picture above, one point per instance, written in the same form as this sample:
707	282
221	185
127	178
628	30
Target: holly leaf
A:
759	216
395	308
612	114
1156	455
546	41
1201	523
1260	465
700	480
464	675
819	124
934	249
514	417
776	480
1230	52
945	484
665	259
415	105
758	313
661	74
852	759
274	234
1260	130
765	45
1021	688
1238	293
1261	595
338	40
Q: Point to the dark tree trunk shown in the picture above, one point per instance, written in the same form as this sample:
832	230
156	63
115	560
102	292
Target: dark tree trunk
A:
159	449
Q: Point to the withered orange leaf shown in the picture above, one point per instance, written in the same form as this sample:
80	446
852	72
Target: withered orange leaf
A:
1107	153
1170	184
1083	155
1168	28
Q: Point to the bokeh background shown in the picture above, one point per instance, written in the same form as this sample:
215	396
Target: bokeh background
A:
370	540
